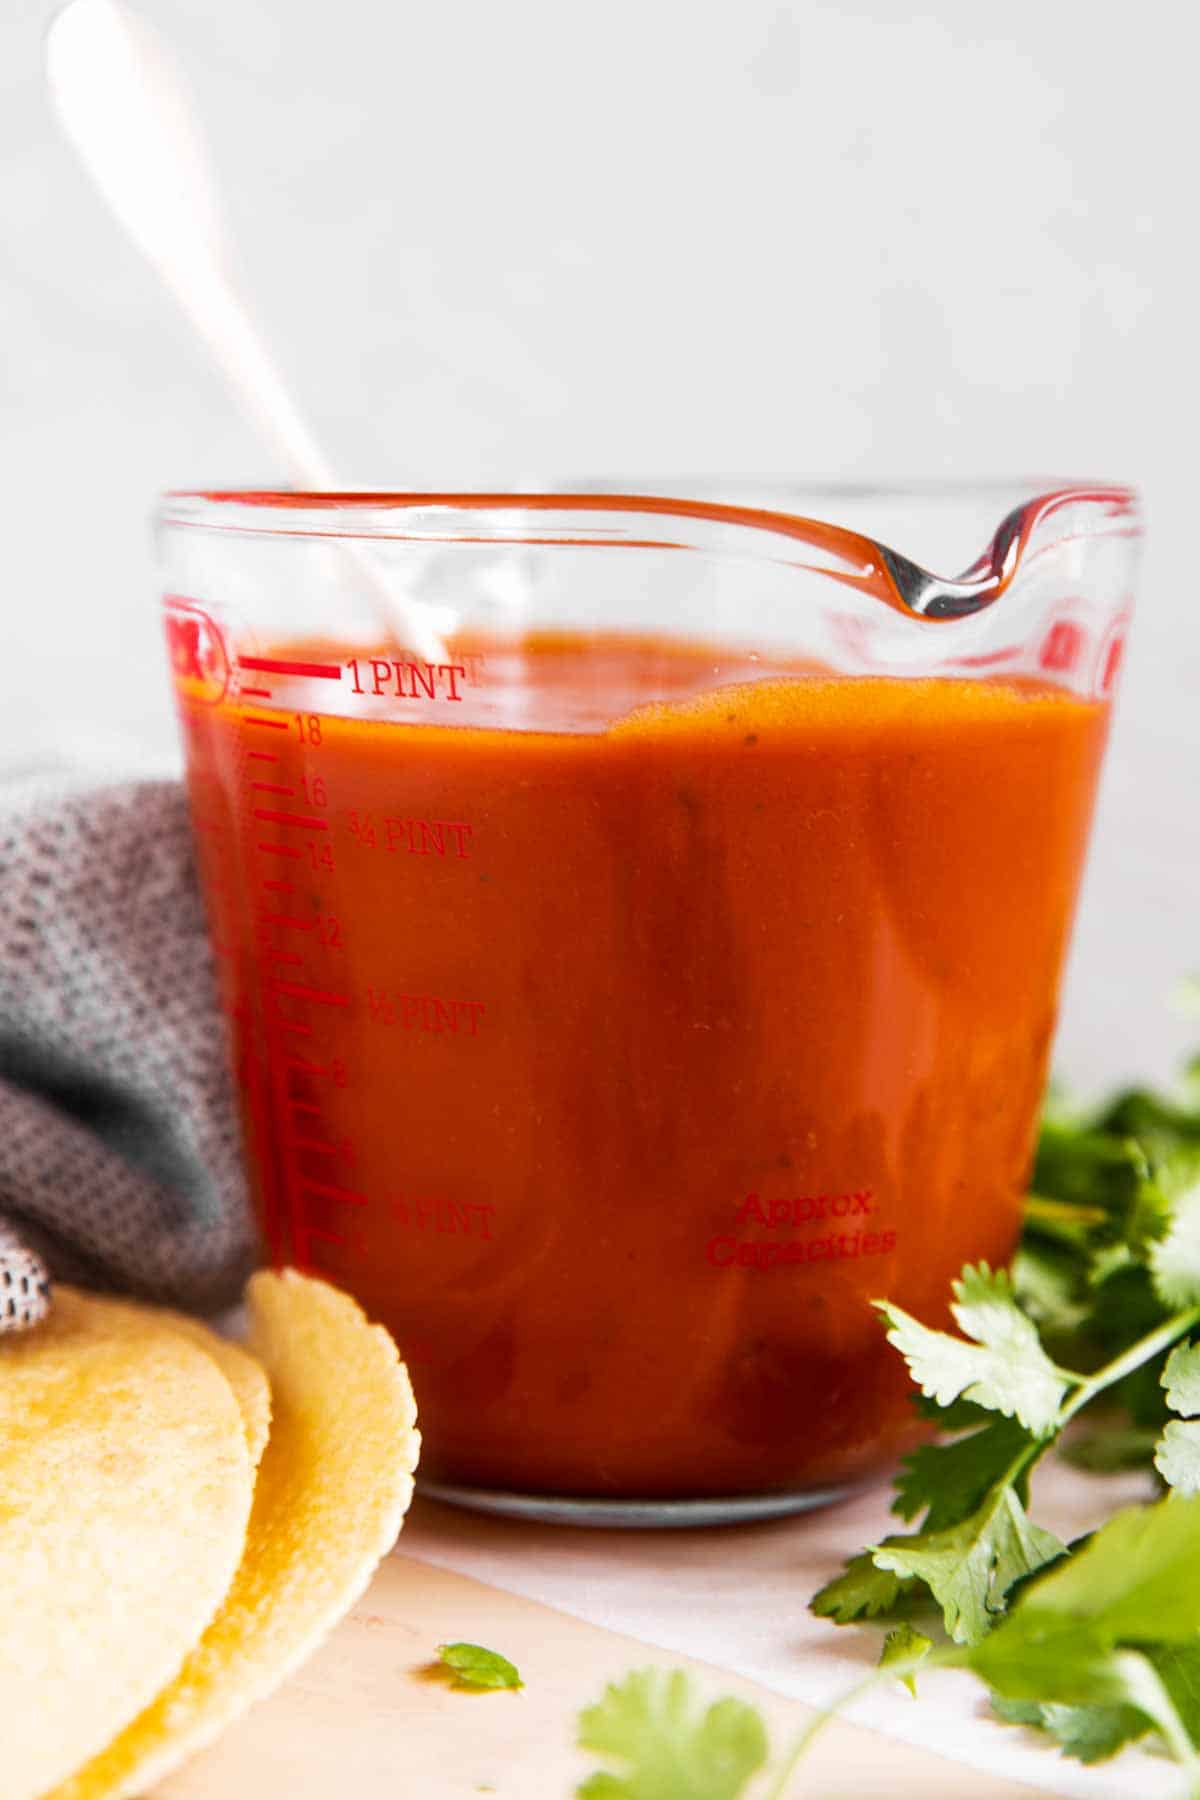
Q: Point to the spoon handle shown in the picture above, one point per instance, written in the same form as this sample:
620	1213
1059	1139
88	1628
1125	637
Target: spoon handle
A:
222	320
123	107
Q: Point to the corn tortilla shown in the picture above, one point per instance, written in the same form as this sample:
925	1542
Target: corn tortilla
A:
245	1375
125	1491
333	1487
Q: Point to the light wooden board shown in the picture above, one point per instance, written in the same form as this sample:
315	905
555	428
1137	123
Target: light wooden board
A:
362	1722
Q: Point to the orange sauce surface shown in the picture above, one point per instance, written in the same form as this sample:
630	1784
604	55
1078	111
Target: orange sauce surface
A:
617	1068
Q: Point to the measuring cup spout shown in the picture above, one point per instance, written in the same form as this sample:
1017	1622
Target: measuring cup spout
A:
1024	532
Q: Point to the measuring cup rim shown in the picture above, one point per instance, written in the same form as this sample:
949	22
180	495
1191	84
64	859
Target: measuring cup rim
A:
1083	509
700	500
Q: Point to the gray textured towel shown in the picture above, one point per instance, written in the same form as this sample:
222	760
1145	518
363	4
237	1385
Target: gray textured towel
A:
120	1158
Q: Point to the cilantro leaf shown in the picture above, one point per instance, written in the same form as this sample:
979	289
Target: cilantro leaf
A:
1146	1220
474	1667
861	1591
1005	1369
1018	1712
1177	1456
969	1567
1126	1308
1181	1380
1089	1167
907	1646
1132	1583
952	1480
1155	1122
1091	1734
1097	1193
1047	1284
1178	1666
1083	1675
1177	1453
648	1722
1126	1305
1175	1258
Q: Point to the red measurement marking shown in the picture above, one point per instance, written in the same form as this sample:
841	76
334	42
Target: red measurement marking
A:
305	822
283	887
284	918
385	675
263	756
271	724
294	1025
256	693
277	849
333	1191
304	1235
298	1143
1063	644
300	992
987	657
285	956
304	1106
1113	656
271	787
298	1062
426	1012
269	665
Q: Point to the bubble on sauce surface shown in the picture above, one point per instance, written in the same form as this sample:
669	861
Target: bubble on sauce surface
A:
749	709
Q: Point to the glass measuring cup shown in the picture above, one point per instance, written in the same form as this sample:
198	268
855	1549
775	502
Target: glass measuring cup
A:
625	995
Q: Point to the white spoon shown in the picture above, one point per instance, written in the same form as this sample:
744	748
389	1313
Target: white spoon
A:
122	106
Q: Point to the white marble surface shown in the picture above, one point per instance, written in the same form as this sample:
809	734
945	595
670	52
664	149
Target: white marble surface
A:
736	1597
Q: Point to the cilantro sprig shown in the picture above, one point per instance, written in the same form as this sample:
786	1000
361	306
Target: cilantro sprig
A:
1100	1650
977	1540
1084	1350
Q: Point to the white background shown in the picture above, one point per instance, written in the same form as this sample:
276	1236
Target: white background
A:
497	240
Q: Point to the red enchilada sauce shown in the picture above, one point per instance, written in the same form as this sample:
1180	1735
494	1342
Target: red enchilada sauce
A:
617	1065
